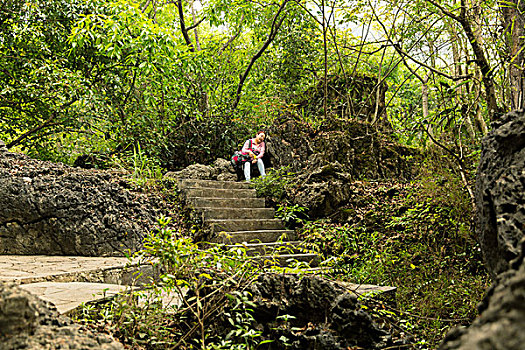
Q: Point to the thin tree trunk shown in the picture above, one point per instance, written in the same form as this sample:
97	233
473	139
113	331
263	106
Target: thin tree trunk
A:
514	32
195	32
325	51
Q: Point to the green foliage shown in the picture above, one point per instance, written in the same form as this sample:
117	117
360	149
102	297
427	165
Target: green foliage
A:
291	214
275	185
144	170
199	302
419	241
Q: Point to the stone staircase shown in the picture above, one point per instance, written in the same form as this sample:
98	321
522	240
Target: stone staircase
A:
232	214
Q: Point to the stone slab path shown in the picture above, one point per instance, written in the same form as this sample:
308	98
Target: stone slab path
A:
23	269
69	281
67	296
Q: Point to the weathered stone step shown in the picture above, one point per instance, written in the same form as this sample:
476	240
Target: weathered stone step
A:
22	269
237	213
287	259
203	202
253	236
184	183
288	247
232	225
67	296
219	192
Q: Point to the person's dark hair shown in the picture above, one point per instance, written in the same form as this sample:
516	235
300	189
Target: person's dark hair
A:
261	131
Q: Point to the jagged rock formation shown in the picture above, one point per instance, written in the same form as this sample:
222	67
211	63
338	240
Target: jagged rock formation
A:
502	315
325	315
349	97
220	170
54	209
500	189
28	323
500	198
327	160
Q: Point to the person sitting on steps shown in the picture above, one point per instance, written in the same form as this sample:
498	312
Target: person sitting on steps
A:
255	148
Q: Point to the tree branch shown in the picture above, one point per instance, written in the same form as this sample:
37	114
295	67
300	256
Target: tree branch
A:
276	24
183	28
45	124
196	24
231	39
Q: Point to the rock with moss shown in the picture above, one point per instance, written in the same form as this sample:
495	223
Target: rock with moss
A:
313	313
221	170
326	160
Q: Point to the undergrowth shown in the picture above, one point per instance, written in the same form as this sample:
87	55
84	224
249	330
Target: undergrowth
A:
416	237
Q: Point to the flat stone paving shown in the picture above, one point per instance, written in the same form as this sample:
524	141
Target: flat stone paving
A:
36	268
67	296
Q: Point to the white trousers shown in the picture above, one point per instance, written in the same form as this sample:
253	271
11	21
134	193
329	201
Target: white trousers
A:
247	169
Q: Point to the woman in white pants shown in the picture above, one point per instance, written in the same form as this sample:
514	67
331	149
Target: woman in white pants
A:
255	148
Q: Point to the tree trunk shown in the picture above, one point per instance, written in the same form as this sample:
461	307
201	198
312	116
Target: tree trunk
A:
514	31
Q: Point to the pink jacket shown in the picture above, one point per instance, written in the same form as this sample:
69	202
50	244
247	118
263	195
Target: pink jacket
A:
259	148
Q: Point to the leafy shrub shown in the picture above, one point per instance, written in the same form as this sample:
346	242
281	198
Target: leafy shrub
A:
291	215
208	305
275	185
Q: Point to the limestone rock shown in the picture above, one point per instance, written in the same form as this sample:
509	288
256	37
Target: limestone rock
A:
53	209
500	197
26	322
330	316
502	320
227	177
356	145
3	147
500	192
221	170
326	162
323	190
223	166
194	171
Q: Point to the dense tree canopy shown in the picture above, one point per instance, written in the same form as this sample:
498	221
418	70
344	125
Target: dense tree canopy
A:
101	77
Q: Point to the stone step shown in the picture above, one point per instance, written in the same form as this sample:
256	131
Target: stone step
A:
23	269
237	213
203	202
288	259
262	236
67	296
233	225
268	248
219	192
184	183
